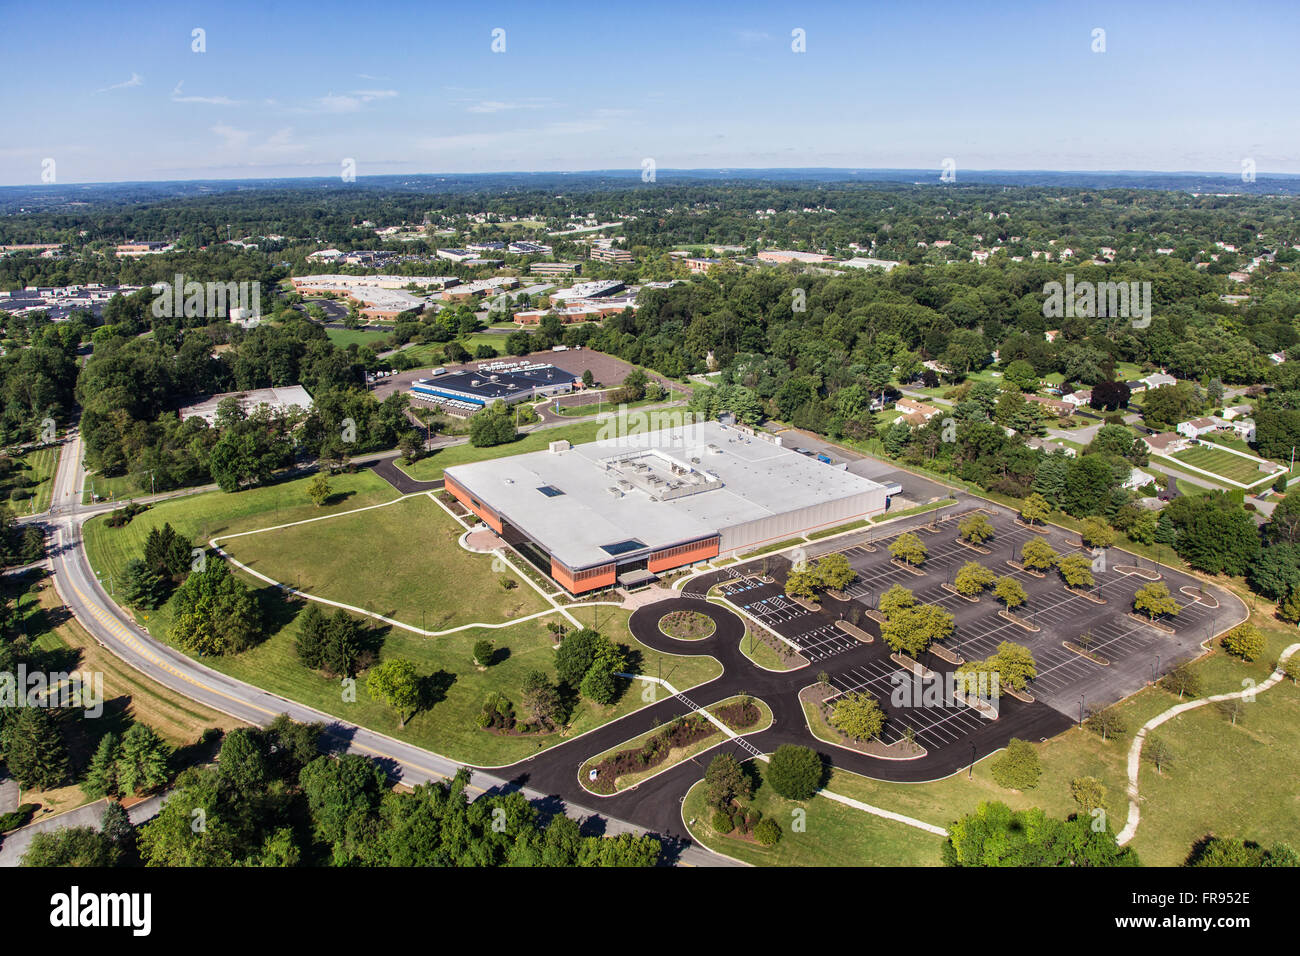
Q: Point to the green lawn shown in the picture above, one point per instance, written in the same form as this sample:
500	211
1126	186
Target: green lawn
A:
1223	463
375	338
212	513
117	488
431	466
1212	785
31	475
401	560
833	834
457	688
762	653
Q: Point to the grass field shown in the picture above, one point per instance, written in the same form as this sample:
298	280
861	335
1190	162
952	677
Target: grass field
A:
833	834
345	337
212	513
401	560
1223	463
455	688
1213	785
431	466
34	471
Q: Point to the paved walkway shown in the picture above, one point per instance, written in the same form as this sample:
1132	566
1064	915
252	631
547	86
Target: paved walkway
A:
1135	751
16	843
8	795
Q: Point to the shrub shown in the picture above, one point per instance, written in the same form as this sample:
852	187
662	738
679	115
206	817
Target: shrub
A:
767	832
1244	641
722	821
1018	767
795	772
17	818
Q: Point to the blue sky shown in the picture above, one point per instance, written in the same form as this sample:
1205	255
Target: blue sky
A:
114	92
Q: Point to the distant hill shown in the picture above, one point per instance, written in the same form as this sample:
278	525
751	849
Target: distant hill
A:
37	198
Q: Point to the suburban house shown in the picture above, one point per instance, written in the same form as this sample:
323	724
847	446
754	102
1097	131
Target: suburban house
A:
1244	428
1136	479
1049	447
1052	405
1236	411
1165	443
1135	386
1277	357
914	412
1159	379
1078	399
1197	427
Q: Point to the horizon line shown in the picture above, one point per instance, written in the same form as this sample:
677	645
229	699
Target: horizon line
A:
712	170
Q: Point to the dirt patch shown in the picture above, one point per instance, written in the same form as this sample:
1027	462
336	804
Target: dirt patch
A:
1144	573
1090	655
1019	621
1020	567
973	599
1086	595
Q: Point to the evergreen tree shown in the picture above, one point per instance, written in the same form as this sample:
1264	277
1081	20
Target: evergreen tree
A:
35	751
101	776
143	761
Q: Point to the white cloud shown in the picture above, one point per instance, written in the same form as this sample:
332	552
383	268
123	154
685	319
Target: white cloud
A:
135	80
497	106
353	101
234	138
241	140
179	97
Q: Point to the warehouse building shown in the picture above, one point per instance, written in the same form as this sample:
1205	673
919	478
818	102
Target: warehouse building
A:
469	390
624	509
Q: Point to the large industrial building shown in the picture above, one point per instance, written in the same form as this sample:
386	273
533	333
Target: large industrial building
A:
621	510
467	391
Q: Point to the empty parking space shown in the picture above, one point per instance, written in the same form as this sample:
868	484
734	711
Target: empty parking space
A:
933	726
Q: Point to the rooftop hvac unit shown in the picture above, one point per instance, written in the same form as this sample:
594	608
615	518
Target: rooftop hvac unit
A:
616	492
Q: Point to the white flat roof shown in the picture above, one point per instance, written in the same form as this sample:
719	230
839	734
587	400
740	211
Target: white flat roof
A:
741	479
274	398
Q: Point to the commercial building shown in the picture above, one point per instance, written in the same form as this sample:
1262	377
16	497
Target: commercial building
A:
610	254
59	302
595	289
555	268
524	248
275	399
468	390
701	264
790	255
623	509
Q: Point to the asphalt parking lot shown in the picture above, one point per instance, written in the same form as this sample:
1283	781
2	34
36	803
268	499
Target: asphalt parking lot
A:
1068	686
1137	653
